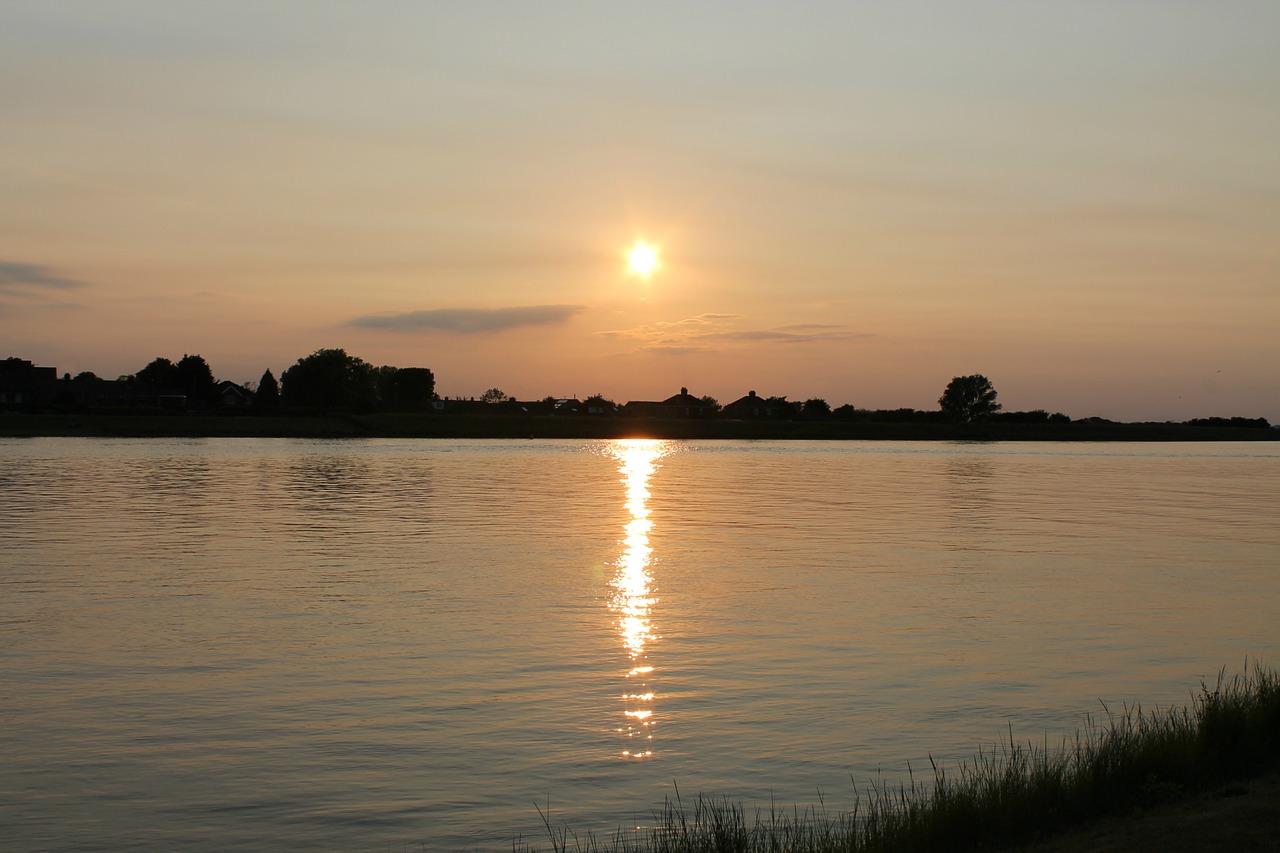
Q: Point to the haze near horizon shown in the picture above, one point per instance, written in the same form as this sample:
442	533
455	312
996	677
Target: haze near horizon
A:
848	201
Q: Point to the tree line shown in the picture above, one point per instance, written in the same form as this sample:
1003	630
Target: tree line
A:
327	381
331	381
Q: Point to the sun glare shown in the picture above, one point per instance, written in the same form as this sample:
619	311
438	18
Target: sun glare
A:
642	259
633	599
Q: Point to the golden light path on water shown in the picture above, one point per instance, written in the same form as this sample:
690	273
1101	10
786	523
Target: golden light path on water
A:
632	599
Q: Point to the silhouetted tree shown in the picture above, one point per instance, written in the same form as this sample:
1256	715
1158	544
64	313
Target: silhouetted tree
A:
1235	422
406	389
969	398
1037	416
385	377
782	408
195	378
815	409
493	395
599	404
191	375
710	402
332	380
267	397
160	373
79	391
907	416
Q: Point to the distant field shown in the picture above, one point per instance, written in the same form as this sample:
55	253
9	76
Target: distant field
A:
435	425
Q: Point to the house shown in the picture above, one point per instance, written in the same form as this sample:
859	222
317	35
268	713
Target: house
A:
570	406
127	393
682	405
24	387
548	407
685	405
750	407
642	409
233	396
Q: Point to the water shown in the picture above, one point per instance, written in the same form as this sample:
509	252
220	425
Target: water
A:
389	645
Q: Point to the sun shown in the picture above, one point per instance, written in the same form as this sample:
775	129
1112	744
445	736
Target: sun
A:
642	259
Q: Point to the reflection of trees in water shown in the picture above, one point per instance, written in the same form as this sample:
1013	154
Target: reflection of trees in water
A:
178	486
330	482
178	502
971	511
333	505
969	488
353	489
353	525
177	477
969	597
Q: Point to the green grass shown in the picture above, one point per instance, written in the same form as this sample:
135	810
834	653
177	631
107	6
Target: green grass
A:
1010	795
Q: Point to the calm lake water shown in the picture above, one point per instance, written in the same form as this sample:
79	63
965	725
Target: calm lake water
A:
213	645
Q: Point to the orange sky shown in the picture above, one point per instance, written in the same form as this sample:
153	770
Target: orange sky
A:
854	201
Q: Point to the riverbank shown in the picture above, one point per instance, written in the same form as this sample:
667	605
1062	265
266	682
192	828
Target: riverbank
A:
436	425
1198	778
1241	816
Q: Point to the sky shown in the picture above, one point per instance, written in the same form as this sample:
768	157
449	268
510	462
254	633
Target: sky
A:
851	200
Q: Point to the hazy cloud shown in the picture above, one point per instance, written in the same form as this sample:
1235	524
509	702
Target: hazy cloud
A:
664	349
470	320
793	334
714	331
676	332
775	335
15	276
811	327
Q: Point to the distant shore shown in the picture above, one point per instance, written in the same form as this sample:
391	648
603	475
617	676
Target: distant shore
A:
437	425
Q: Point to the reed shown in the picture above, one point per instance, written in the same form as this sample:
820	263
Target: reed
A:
1008	795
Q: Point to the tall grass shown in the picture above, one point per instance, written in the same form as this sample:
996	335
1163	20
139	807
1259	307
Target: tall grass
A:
1011	794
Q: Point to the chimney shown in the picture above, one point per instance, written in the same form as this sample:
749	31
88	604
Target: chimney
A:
684	391
751	393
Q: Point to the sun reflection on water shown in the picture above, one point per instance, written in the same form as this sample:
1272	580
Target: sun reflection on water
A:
632	599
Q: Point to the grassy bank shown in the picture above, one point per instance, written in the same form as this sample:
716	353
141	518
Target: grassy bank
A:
1009	796
465	425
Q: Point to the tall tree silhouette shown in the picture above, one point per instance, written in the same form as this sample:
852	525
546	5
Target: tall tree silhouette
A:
406	389
330	379
969	398
816	408
196	380
267	397
160	373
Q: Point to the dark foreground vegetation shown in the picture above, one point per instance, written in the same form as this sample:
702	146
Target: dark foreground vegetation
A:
1007	797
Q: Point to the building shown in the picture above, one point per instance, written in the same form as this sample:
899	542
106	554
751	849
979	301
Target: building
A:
750	407
682	405
25	387
234	396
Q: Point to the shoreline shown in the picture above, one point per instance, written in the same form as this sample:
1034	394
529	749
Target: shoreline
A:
454	426
1243	815
1200	777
